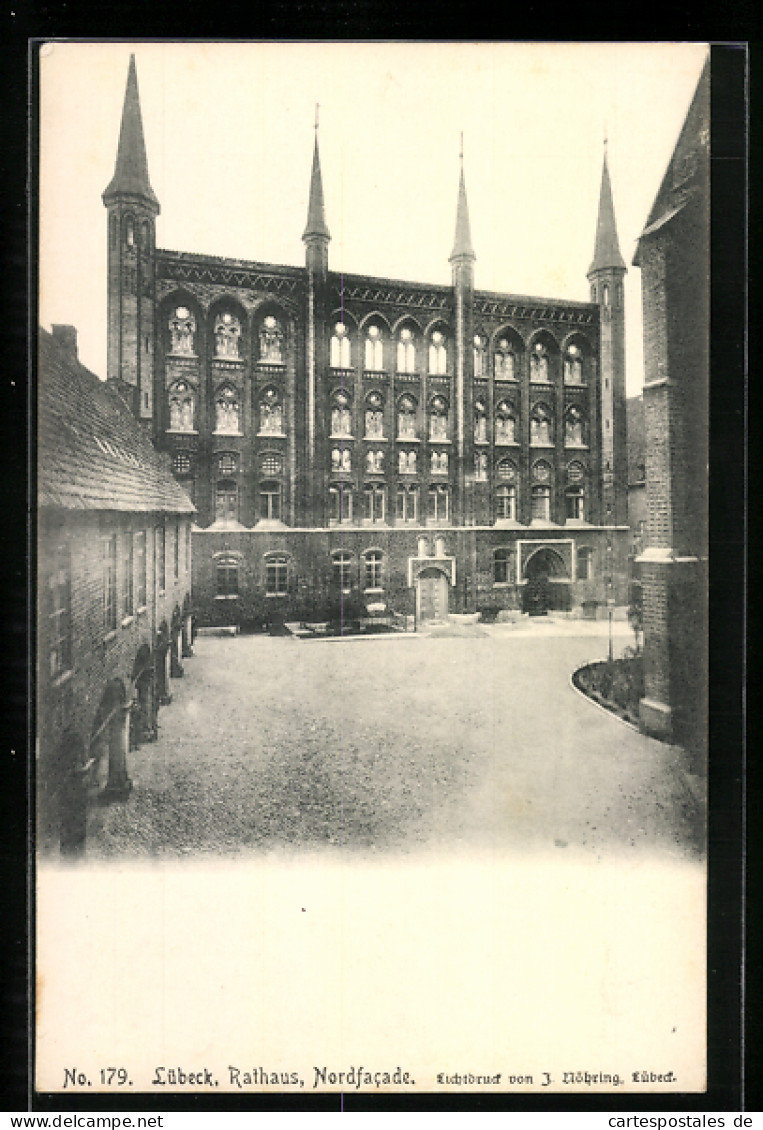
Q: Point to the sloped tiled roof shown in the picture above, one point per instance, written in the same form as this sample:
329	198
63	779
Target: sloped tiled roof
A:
92	452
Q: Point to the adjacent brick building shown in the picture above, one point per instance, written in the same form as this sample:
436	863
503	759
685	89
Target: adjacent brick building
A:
674	256
114	582
422	449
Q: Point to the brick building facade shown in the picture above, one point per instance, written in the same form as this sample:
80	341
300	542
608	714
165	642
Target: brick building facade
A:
422	449
674	256
114	608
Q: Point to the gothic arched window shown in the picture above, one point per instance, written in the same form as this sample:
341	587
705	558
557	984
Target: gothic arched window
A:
341	416
480	422
375	462
504	361
376	502
479	355
182	330
480	466
374	349
506	470
406	418
271	341
573	365
129	231
439	462
374	416
227	334
574	427
539	363
181	402
227	412
438	498
340	347
341	460
438	419
541	425
271	413
438	354
505	423
340	503
406	351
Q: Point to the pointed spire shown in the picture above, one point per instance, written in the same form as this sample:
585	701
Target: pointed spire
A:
131	169
462	242
316	216
607	248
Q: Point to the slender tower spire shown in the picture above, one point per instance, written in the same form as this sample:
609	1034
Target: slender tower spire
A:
606	252
132	209
605	276
316	216
462	242
131	169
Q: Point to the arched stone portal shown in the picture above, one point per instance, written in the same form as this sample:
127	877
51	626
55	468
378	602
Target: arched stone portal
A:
432	596
547	584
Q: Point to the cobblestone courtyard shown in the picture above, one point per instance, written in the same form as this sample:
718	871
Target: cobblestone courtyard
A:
400	743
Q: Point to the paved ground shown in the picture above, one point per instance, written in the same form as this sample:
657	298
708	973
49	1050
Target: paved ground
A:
401	743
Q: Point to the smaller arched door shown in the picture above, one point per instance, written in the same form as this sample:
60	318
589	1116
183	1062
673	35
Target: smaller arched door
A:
543	590
432	596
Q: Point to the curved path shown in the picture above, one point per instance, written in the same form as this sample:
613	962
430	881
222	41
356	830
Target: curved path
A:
400	744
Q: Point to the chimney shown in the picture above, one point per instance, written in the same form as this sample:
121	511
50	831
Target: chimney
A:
65	338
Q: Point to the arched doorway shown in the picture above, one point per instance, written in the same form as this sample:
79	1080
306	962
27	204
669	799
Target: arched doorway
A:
161	665
109	744
176	667
545	574
431	597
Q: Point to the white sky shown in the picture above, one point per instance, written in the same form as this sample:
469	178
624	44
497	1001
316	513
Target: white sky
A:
229	135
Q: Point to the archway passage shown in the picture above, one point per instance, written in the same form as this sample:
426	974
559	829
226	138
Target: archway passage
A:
432	596
546	589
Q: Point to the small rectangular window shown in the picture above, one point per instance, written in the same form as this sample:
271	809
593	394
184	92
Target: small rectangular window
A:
227	577
276	576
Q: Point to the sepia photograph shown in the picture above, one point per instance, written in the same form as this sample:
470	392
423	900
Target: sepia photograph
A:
372	390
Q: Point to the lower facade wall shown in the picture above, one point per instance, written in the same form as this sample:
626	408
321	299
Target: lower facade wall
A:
475	582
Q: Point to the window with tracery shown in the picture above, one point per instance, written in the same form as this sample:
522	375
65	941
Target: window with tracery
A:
227	412
439	462
341	416
339	350
541	425
406	463
438	354
480	355
375	462
271	413
573	365
406	351
227	334
271	465
438	419
271	341
406	418
181	463
227	463
181	403
505	423
374	358
182	330
539	363
506	470
374	416
341	460
480	422
574	427
504	361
